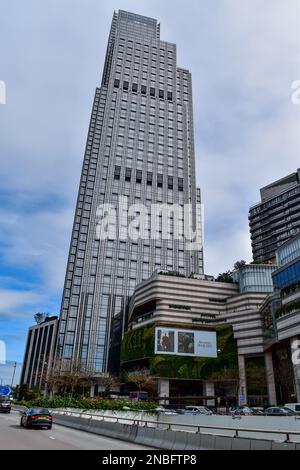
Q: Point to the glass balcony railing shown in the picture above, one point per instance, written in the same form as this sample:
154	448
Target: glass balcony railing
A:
290	290
288	309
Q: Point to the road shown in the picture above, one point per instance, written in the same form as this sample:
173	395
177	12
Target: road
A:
13	437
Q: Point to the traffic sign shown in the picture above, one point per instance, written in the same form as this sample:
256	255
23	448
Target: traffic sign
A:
5	390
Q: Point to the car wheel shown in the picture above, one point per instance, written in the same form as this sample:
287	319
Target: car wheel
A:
49	427
21	423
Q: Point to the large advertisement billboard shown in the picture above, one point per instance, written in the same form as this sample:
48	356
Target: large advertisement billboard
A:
185	342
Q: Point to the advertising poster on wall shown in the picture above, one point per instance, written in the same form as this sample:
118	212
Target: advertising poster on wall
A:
195	343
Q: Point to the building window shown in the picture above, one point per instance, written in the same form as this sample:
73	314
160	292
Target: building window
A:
117	172
125	85
160	180
152	91
161	94
116	83
180	184
139	176
149	178
170	96
128	174
134	87
143	89
170	182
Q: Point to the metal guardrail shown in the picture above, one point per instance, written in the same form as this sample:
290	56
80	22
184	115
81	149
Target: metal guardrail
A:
138	421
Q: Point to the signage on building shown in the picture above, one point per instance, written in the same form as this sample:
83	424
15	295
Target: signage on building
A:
185	342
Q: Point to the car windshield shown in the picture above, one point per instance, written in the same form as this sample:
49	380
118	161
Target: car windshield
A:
202	408
39	411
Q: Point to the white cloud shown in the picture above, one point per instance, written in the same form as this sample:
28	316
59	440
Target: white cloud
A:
38	241
14	304
223	251
7	373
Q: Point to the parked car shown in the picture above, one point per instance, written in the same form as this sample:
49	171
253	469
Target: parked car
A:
195	410
279	411
258	410
5	404
244	411
294	407
165	411
36	418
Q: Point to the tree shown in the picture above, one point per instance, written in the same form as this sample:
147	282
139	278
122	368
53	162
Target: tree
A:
225	277
40	317
23	392
107	381
140	377
67	376
239	264
78	377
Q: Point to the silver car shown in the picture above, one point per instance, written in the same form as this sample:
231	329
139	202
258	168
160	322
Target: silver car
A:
202	410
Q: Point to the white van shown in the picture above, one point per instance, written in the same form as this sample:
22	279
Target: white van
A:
293	406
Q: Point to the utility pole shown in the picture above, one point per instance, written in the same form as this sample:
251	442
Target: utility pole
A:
13	376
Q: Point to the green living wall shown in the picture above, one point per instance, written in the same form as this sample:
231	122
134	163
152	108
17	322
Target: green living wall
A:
139	344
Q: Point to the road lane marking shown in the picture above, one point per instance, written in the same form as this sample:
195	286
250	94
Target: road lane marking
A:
51	437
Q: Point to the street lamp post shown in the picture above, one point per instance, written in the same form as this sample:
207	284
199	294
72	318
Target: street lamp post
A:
13	376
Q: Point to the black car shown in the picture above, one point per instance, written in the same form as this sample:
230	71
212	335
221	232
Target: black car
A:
279	411
5	405
36	418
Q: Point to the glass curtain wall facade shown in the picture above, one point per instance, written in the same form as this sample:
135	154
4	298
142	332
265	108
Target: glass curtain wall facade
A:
141	146
276	219
255	278
288	252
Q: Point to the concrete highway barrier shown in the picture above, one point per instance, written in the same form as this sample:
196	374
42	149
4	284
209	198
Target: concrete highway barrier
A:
260	444
137	431
145	435
283	446
169	440
180	441
193	441
159	437
241	443
223	443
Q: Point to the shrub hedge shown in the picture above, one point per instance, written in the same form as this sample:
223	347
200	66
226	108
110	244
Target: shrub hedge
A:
86	403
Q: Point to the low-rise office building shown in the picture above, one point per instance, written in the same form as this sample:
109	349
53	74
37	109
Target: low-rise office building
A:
39	353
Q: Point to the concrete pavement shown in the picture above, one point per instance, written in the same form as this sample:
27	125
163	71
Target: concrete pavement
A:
13	437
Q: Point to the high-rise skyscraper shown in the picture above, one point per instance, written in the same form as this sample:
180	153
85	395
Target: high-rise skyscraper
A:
140	147
276	218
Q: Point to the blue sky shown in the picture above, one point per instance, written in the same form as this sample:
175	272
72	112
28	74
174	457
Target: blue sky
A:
244	56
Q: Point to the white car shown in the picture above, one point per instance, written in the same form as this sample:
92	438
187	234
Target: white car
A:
203	410
165	411
294	407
